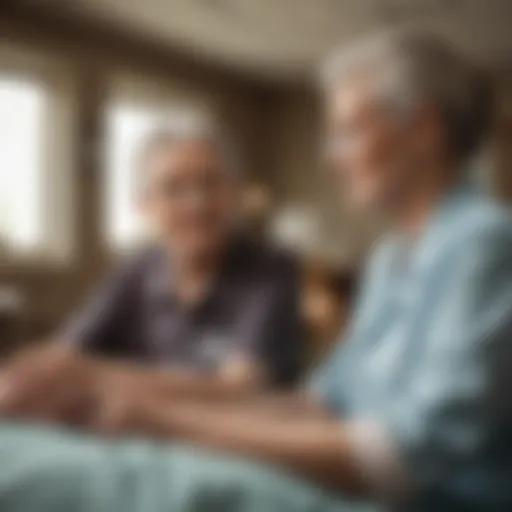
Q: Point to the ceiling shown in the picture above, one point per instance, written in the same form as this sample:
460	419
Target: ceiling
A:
287	38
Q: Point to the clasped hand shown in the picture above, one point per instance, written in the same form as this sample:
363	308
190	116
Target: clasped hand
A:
56	384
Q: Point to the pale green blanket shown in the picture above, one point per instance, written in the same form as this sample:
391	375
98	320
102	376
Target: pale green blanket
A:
50	470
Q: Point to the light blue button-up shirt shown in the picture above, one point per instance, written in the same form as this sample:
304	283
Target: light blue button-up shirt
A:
428	359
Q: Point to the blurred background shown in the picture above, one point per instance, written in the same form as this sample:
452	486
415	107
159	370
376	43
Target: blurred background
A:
81	82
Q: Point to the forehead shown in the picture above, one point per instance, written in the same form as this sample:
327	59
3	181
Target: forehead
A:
179	159
174	154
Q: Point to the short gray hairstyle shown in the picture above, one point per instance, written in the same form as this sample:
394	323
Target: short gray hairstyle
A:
186	128
415	66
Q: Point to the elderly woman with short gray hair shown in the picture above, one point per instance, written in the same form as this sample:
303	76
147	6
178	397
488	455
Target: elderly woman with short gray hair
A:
411	411
202	300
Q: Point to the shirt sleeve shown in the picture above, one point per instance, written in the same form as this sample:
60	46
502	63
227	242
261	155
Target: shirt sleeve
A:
95	326
282	338
328	380
457	401
332	377
269	329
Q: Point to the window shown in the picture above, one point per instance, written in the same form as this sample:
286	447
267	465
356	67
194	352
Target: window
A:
127	126
24	107
36	158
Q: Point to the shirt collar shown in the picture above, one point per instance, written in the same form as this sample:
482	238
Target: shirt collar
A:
159	283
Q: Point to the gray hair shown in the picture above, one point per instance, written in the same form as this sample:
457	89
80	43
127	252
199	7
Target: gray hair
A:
188	128
418	66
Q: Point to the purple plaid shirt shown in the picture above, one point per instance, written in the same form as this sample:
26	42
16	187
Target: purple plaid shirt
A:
251	310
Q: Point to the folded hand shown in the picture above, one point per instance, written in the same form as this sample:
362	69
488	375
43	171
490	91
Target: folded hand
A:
51	383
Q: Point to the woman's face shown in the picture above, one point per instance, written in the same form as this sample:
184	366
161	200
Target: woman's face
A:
373	151
191	197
